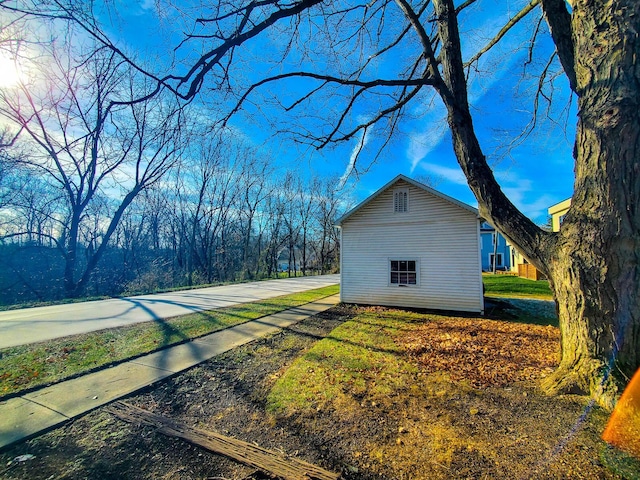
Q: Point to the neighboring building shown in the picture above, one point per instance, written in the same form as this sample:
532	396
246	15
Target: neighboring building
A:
502	252
409	245
557	212
508	258
516	258
521	265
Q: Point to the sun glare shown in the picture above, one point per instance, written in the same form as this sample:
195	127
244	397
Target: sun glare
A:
9	72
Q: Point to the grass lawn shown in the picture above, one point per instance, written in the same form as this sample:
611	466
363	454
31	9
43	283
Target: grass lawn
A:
515	287
372	392
28	366
371	353
431	396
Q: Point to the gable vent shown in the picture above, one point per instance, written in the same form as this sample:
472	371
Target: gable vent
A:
401	200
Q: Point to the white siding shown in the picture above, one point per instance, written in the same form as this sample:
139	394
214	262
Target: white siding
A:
443	237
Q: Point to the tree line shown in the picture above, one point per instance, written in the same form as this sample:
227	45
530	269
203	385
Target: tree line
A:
219	220
102	193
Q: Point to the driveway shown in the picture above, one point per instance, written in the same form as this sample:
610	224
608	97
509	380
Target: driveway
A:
19	327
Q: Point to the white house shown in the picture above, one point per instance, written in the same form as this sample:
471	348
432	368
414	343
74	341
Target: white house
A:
409	245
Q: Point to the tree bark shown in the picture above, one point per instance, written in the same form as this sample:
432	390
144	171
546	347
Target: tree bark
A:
595	270
71	254
593	262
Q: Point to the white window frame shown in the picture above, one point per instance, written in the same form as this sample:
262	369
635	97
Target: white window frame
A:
398	194
403	259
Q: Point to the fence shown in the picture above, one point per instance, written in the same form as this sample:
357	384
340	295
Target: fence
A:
527	270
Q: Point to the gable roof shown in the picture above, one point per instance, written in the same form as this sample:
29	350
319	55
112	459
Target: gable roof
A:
416	184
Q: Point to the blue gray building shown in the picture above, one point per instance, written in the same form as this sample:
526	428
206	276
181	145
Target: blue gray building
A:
502	251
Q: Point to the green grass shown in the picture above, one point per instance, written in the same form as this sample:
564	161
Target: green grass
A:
28	366
360	356
363	355
516	287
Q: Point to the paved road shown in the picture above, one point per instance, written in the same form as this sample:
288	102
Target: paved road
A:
19	327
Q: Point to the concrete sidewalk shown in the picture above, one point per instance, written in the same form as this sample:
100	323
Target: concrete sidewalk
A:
33	413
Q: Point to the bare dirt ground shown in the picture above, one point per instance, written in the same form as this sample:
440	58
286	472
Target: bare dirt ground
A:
437	427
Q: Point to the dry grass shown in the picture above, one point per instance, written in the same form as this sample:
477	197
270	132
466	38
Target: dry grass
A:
484	353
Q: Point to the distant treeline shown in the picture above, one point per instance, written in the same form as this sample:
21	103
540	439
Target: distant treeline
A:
228	221
106	188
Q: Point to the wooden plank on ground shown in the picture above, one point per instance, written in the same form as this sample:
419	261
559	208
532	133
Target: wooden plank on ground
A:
246	453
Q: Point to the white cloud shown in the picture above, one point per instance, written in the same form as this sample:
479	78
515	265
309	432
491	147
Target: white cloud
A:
147	4
423	143
451	174
524	195
362	142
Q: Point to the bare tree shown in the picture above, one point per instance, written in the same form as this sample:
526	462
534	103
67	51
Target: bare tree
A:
593	262
327	244
306	202
90	144
274	213
253	189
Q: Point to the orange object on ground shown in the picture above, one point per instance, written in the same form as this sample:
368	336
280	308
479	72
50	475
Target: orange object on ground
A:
623	428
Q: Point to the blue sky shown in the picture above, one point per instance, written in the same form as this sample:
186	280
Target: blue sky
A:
535	173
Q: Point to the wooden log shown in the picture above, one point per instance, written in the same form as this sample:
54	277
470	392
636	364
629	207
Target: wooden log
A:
265	460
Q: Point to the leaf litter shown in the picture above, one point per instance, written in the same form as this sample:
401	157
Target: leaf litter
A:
469	409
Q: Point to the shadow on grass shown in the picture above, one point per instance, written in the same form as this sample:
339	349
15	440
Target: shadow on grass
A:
518	310
529	311
154	336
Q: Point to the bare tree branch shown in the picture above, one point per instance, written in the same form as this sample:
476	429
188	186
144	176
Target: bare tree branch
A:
504	30
326	79
559	20
196	74
492	202
425	41
51	238
9	143
464	5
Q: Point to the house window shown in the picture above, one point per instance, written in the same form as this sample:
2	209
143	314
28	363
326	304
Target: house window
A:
498	259
401	200
403	272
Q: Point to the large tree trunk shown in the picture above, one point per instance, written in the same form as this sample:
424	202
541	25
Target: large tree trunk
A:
595	278
595	271
593	263
71	255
